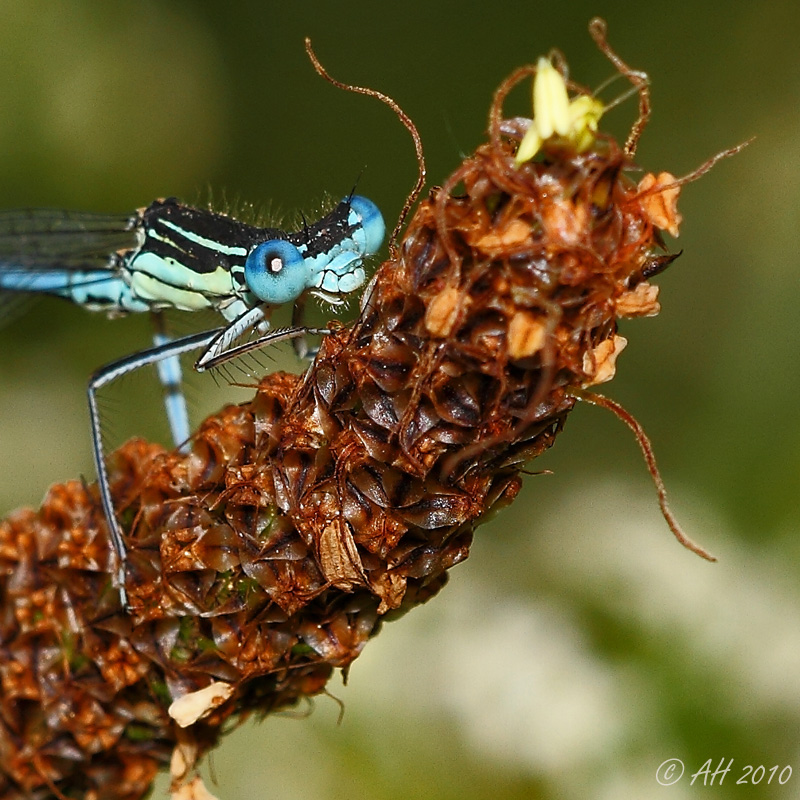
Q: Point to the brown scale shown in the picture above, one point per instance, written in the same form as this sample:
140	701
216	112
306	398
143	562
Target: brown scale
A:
269	555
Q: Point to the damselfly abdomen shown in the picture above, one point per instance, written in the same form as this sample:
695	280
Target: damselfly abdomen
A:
172	256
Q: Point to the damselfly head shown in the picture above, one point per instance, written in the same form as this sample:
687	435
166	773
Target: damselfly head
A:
326	258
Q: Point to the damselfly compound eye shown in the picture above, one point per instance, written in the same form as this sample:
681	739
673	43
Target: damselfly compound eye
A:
371	227
276	272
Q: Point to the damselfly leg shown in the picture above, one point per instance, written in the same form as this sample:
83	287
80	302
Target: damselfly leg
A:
171	376
163	353
218	347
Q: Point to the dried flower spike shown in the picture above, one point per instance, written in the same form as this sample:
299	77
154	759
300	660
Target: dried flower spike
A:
270	554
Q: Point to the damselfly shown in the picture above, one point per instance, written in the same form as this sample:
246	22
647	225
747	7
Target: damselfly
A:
172	256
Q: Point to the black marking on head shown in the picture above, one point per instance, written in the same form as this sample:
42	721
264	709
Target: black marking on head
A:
167	242
326	233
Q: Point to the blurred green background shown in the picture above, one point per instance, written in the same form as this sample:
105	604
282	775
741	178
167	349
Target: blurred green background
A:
580	647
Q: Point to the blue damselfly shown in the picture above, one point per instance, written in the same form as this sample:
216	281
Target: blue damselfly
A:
172	256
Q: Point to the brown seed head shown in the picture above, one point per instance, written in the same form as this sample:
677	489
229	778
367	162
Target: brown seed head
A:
270	554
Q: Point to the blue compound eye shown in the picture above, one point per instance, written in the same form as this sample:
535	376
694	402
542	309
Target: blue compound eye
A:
276	272
370	221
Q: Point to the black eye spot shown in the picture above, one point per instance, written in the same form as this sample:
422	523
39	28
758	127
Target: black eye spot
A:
274	263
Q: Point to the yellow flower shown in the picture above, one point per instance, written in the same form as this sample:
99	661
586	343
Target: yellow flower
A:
556	118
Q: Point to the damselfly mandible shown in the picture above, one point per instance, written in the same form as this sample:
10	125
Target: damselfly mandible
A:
173	256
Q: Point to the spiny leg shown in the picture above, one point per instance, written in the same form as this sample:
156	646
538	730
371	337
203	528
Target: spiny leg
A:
216	355
218	347
103	376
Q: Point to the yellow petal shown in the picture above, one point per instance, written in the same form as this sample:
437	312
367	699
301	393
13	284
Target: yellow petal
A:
529	146
550	101
585	113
